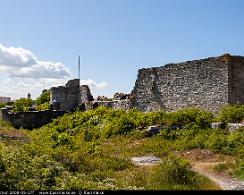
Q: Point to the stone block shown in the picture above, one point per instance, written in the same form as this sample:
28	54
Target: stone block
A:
217	125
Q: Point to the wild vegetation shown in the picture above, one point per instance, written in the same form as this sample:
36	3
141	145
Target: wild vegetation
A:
93	150
22	104
42	102
4	104
26	104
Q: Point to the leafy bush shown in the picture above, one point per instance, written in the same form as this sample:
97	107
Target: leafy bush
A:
216	142
22	104
124	125
235	142
189	116
239	172
174	171
61	139
44	106
231	114
2	105
43	98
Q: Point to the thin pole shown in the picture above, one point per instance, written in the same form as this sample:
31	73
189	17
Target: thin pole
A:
79	67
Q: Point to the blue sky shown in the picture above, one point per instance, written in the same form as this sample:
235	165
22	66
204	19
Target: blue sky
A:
113	37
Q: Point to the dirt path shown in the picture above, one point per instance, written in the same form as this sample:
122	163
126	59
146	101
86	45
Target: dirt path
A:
204	161
224	181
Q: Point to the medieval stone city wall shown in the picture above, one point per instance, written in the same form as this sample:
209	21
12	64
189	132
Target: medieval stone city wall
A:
202	83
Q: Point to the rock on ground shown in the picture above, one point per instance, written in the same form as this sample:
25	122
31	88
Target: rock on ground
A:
145	160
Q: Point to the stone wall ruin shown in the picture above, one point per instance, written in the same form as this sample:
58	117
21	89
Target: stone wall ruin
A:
207	83
68	96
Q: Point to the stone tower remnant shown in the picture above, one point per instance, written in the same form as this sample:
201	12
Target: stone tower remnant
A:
68	96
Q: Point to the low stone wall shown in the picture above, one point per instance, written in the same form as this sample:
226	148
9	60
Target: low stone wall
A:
117	104
29	120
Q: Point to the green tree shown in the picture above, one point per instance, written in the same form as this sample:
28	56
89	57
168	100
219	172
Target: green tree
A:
43	100
22	104
2	105
19	105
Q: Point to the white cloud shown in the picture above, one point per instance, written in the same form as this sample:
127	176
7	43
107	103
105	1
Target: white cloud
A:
19	62
22	73
20	87
16	57
4	69
16	88
42	70
93	84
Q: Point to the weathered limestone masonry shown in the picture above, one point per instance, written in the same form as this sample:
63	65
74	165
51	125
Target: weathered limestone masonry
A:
85	94
117	104
206	83
68	96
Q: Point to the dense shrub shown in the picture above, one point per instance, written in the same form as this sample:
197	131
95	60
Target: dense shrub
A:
216	142
61	139
43	100
189	116
175	171
231	114
22	104
239	172
2	105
